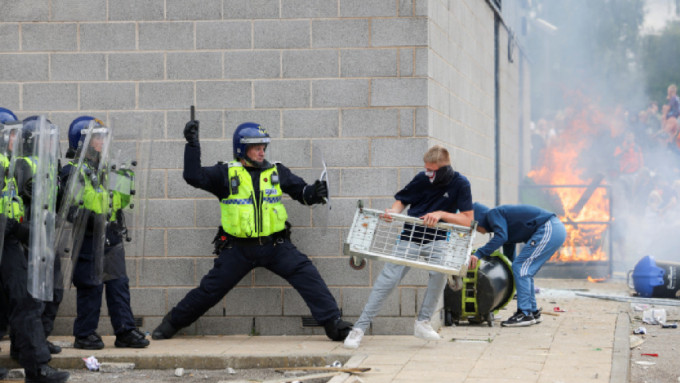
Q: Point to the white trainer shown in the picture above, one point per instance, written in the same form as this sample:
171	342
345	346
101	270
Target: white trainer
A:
354	338
424	330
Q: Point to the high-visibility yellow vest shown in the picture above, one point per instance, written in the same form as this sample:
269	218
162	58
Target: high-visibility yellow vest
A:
96	198
11	205
246	215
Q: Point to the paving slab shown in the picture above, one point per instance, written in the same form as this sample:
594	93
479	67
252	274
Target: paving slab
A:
579	344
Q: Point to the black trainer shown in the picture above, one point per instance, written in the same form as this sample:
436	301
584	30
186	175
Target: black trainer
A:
90	342
519	319
165	330
54	349
537	316
46	374
132	339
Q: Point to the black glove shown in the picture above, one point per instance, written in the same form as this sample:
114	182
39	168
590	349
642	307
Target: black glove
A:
191	132
320	191
19	230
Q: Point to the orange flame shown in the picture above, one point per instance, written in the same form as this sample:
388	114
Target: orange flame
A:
596	280
563	164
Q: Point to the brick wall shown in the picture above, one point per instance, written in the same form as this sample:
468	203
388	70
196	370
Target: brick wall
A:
371	83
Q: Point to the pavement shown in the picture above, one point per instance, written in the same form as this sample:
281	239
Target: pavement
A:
587	341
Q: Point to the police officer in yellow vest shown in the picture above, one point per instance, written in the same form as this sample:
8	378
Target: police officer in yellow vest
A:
253	225
27	314
107	206
25	170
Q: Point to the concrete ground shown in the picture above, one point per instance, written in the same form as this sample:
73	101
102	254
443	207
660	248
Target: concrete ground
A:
588	341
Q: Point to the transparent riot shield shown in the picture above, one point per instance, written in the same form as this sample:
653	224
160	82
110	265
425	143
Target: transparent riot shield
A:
10	203
129	175
321	213
84	212
44	137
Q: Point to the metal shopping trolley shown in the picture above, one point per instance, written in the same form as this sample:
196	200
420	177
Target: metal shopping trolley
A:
407	241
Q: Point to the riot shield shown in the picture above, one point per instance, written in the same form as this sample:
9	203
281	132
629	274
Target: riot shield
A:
128	184
85	205
44	139
321	213
11	205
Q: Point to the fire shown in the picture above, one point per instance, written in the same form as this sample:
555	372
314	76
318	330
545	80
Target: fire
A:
582	198
596	280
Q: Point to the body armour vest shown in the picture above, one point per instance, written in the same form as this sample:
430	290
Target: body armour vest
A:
245	215
12	205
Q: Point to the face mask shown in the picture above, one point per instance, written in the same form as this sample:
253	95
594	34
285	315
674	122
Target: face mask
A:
430	174
441	176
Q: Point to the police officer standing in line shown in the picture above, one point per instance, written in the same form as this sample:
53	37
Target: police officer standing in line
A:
25	170
25	312
253	221
89	285
6	116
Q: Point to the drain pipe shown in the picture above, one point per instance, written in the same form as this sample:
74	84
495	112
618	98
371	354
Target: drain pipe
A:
497	109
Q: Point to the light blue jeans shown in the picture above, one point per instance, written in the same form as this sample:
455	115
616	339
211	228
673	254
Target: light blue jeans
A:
392	274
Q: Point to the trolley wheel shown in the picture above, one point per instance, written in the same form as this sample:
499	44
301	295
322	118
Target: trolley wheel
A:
489	319
357	263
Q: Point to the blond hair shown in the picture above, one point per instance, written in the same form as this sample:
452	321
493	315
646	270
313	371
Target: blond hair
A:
437	155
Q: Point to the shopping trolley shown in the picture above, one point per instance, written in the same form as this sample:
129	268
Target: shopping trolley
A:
407	241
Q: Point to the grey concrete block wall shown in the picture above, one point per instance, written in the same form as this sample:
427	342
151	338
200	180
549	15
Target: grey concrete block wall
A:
370	84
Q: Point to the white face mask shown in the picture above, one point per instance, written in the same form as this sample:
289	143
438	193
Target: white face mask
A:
431	175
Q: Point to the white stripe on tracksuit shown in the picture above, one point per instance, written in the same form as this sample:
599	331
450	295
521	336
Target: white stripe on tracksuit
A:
538	250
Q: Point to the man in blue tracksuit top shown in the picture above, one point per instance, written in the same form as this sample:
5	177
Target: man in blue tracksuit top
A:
540	230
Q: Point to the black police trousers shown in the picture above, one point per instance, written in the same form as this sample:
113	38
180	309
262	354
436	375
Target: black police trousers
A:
89	291
236	261
25	312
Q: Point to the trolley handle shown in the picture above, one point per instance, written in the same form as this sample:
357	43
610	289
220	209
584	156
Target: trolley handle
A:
409	219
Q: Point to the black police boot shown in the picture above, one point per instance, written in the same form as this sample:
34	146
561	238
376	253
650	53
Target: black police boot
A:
132	339
90	342
3	373
165	330
337	329
46	374
54	349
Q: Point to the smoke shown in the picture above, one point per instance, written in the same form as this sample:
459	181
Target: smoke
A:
592	116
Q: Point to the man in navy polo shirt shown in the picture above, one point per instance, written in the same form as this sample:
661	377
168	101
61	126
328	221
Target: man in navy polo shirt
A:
437	194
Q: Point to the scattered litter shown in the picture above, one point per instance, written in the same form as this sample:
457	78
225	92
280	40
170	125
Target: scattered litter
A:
640	307
597	349
557	309
650	354
654	316
335	364
16	373
644	363
92	363
640	330
669	325
179	372
231	371
635	341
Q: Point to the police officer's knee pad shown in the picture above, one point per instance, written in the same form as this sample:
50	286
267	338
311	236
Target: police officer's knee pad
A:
337	329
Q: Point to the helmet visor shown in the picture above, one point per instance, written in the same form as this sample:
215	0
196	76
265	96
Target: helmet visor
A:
255	140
